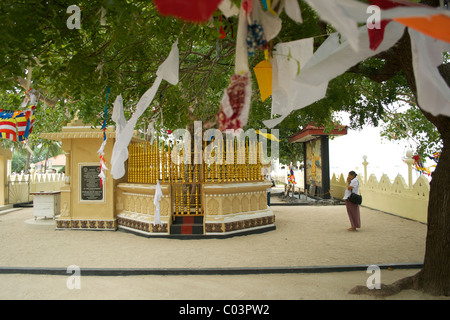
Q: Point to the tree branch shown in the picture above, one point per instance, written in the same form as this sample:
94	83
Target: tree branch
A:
40	96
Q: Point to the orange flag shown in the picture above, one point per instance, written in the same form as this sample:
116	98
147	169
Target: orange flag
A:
436	26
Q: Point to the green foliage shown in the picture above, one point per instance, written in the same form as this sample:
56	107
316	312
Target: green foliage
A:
75	66
411	125
18	162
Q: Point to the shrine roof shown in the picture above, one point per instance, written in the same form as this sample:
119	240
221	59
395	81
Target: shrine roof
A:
311	132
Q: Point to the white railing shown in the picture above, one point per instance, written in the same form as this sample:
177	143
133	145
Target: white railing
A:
20	186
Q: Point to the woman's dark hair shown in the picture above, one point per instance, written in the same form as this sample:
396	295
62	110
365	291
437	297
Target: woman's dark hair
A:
353	173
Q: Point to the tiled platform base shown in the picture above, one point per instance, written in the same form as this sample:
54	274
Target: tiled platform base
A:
140	223
85	224
240	225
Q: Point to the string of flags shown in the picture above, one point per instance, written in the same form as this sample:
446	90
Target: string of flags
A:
294	74
435	157
420	167
101	151
259	22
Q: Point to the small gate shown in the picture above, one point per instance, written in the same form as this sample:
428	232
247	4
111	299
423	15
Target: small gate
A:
186	198
187	217
19	191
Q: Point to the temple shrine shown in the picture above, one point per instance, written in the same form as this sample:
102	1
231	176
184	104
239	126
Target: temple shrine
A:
198	200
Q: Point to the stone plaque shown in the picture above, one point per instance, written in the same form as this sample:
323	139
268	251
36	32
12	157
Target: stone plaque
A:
91	188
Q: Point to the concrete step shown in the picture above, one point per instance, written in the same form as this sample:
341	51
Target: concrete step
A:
187	224
7	209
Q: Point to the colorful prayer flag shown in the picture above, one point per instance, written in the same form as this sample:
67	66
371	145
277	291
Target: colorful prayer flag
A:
16	125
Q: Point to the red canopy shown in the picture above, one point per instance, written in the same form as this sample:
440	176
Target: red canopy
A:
189	10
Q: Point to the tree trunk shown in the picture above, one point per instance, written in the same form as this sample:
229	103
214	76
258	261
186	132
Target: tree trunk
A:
434	278
27	164
435	275
46	161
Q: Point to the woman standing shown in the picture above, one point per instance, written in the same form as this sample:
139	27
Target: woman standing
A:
352	208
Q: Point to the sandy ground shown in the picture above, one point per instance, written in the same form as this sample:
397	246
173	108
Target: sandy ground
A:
305	236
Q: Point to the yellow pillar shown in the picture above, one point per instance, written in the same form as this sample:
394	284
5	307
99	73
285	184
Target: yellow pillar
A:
86	203
5	155
409	161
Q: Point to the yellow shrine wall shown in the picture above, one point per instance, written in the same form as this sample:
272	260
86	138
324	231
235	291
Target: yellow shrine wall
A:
80	144
234	207
5	155
135	209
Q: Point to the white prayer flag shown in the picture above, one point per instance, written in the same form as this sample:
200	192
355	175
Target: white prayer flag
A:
228	8
292	9
287	94
334	58
433	93
156	201
169	71
333	13
118	116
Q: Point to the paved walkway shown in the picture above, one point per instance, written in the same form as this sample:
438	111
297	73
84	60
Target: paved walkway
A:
305	236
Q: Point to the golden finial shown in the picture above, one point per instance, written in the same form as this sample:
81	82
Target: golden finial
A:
196	199
176	200
182	171
182	199
188	199
169	162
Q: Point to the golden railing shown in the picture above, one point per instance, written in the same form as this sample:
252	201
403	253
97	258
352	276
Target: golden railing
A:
149	162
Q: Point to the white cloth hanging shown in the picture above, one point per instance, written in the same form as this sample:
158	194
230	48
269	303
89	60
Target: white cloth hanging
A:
271	23
333	13
331	60
228	8
169	71
334	58
344	15
293	11
241	60
288	95
433	93
156	201
118	116
357	11
235	104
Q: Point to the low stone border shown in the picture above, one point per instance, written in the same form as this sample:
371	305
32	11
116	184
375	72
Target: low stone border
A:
202	271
